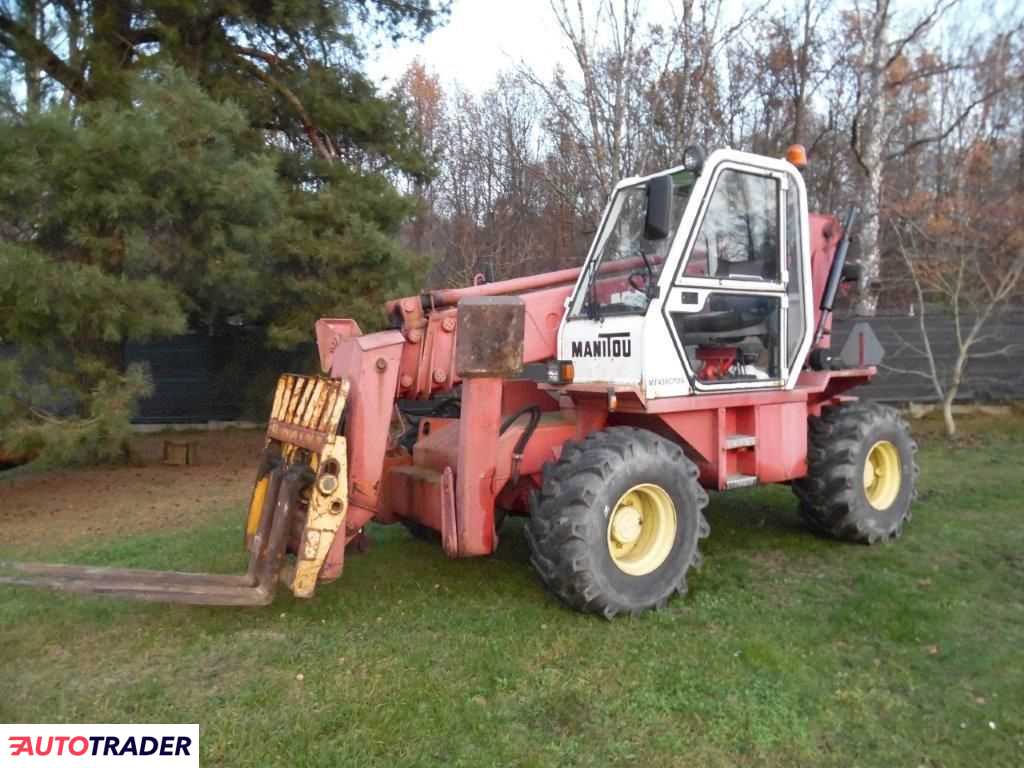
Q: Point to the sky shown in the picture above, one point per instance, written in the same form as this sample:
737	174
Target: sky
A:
484	37
481	38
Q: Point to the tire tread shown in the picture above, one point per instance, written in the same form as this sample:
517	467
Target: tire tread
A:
557	529
828	495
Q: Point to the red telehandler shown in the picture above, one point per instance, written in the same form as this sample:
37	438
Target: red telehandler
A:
689	352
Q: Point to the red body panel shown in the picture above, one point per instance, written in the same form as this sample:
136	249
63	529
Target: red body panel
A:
476	464
428	356
370	363
825	233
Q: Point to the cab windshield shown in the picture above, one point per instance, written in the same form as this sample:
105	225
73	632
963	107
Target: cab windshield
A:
623	272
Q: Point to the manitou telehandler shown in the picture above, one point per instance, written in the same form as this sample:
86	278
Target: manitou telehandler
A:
689	352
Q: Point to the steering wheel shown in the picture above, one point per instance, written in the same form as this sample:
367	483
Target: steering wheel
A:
635	278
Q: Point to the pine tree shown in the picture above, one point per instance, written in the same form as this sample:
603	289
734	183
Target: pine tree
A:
180	165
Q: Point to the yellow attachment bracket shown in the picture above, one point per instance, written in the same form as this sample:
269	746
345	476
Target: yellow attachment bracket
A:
259	495
304	422
328	505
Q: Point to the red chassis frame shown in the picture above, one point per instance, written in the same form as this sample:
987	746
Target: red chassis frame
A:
461	469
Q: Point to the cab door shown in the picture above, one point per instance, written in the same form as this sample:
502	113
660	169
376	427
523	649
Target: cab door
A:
734	309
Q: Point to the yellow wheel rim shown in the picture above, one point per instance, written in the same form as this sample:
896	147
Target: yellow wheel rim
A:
641	529
882	475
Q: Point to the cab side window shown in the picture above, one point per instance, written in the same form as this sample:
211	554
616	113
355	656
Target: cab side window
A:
739	237
795	323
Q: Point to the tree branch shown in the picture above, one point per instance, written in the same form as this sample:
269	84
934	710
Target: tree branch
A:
312	132
906	148
937	11
144	36
1002	352
906	372
21	42
255	53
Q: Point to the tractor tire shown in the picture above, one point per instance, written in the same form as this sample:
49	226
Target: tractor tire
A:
861	473
615	527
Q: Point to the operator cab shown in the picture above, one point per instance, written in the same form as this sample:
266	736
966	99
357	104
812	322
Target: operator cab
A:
696	281
633	246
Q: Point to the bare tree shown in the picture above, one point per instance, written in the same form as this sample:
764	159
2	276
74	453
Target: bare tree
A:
958	233
421	92
694	95
599	106
960	286
879	59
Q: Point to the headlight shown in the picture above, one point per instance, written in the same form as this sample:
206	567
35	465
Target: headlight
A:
560	372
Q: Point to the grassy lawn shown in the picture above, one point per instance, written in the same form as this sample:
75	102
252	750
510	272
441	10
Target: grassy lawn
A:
789	649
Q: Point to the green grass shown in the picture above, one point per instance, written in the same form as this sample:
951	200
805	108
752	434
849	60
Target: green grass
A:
790	649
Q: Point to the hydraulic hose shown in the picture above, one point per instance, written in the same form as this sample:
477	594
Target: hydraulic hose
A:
524	438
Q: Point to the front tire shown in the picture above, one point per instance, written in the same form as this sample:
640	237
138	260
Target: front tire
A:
616	525
861	473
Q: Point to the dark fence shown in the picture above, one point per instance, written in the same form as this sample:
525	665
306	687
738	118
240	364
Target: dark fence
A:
995	373
231	377
214	378
225	378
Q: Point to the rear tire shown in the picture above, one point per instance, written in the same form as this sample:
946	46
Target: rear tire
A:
861	473
616	524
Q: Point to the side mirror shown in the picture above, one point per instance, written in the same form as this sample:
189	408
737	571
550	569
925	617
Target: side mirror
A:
658	221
